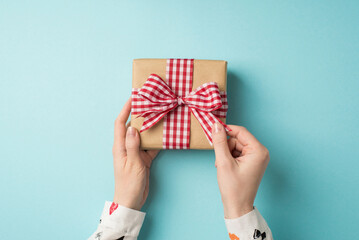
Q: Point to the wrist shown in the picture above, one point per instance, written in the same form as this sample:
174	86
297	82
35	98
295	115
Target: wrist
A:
236	211
127	203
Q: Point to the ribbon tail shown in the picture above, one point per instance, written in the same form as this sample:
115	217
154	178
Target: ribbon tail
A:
206	120
152	119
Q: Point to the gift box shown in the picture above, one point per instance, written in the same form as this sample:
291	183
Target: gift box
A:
175	102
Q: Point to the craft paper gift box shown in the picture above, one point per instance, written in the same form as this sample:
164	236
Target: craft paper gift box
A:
167	107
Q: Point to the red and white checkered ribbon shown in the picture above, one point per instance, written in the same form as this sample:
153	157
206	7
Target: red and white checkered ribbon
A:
174	102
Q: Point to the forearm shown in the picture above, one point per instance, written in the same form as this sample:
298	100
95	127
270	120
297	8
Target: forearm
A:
118	223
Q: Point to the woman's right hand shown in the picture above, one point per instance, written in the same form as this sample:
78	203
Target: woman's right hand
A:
131	165
241	161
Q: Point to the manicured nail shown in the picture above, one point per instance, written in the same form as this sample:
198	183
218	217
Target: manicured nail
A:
217	127
131	131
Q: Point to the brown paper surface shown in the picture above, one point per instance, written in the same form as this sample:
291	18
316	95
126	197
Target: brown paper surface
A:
203	71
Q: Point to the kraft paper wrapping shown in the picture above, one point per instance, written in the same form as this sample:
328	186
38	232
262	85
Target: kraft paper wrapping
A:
203	71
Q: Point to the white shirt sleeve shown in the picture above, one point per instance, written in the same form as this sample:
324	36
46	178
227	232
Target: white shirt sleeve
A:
248	227
118	223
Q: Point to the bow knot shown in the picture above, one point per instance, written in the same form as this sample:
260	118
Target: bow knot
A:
180	101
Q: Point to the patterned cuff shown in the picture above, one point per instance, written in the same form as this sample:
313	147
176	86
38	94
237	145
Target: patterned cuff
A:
121	219
249	226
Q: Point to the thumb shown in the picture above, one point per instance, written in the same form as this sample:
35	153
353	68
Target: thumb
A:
220	144
132	144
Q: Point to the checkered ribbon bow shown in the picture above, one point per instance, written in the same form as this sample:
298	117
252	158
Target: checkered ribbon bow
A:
156	99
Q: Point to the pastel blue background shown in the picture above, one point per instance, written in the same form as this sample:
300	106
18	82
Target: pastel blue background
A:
65	73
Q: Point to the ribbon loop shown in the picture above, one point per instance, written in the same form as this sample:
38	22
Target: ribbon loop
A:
156	92
206	98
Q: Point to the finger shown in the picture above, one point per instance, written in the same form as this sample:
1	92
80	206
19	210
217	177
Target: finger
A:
120	129
233	144
235	147
148	156
220	144
153	153
133	145
147	187
236	153
243	136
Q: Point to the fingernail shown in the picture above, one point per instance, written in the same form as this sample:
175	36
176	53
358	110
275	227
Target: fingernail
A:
217	127
131	131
